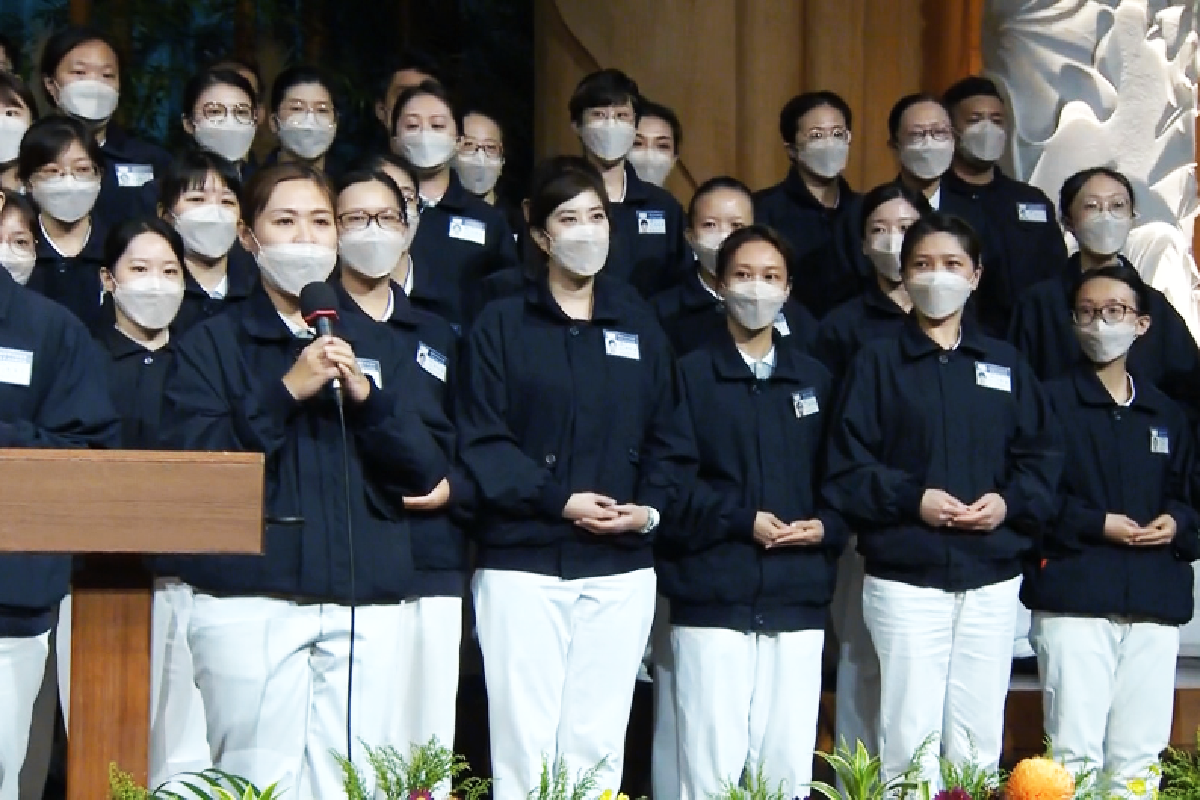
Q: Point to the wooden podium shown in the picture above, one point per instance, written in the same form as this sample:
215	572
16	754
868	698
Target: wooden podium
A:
112	507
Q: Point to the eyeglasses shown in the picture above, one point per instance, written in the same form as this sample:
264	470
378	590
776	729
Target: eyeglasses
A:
1111	314
1121	209
389	220
83	172
821	134
324	112
217	112
469	147
936	134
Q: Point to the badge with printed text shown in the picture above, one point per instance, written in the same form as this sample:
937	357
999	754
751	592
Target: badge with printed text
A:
622	345
781	325
993	376
1032	212
370	367
16	366
431	361
1160	442
651	222
468	230
134	175
804	403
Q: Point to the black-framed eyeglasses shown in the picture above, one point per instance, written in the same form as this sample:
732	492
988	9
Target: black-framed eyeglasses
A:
389	220
1111	314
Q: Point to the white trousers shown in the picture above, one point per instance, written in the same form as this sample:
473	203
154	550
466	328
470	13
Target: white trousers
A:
273	677
857	715
178	732
22	665
1108	691
746	700
427	680
664	755
560	660
945	661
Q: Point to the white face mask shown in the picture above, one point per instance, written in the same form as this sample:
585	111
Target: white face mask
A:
12	130
66	198
1103	343
208	230
150	301
88	99
427	149
938	294
306	136
581	249
477	172
883	249
984	141
228	138
1103	234
754	304
608	139
291	266
652	166
927	160
19	264
706	246
372	252
825	158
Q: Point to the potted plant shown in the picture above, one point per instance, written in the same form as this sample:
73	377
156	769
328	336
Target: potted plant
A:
427	768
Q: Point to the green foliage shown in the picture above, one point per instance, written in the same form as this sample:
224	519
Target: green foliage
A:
970	777
210	784
397	777
756	788
862	774
1181	774
122	786
555	783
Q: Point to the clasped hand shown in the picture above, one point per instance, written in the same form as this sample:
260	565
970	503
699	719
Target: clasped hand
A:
942	510
770	531
323	360
604	516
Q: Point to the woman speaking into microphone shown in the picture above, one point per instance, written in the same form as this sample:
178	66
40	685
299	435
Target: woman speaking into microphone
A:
272	635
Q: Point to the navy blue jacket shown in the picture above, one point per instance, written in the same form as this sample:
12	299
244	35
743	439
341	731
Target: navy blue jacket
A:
759	446
551	406
227	393
1136	461
647	247
74	281
967	421
459	242
870	316
136	379
1166	355
690	315
129	180
197	306
439	547
64	404
1023	243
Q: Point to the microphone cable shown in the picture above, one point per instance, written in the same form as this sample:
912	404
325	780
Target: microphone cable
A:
341	408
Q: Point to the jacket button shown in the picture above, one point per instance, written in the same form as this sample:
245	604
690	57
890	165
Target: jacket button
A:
148	360
574	330
759	621
550	459
1117	413
633	453
943	358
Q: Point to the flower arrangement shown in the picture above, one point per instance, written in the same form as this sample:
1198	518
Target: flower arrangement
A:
861	774
209	784
756	788
426	769
969	780
1040	778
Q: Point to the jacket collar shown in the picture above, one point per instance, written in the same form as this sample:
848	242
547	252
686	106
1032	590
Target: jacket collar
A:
8	288
729	365
798	190
1091	391
120	346
915	343
262	321
637	190
403	312
695	296
241	275
874	298
456	197
606	304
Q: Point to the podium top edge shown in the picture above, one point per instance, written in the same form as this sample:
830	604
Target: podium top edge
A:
134	456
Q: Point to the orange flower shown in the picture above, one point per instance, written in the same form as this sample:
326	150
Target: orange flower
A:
1040	779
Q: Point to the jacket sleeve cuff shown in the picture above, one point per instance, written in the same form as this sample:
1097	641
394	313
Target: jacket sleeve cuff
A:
553	499
279	401
908	499
1091	524
1014	504
741	523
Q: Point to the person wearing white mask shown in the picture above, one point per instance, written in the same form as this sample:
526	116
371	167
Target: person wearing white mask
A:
303	116
1098	207
80	72
18	110
656	145
572	428
647	221
270	634
200	199
1023	243
18	235
59	164
462	239
479	164
943	458
1113	581
693	311
221	114
749	568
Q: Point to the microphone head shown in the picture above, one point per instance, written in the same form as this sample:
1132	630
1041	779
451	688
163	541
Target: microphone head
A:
318	300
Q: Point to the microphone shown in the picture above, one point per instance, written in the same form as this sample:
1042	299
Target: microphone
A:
318	306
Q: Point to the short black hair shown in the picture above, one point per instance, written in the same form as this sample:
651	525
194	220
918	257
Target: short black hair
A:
480	109
971	86
377	161
601	89
64	40
557	180
12	201
48	138
120	237
938	222
15	91
1121	271
410	58
713	185
425	88
357	176
189	169
299	75
754	233
232	62
904	104
801	104
10	48
887	192
657	110
214	76
1073	185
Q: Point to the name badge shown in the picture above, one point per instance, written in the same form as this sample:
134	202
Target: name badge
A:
370	367
622	345
804	403
1032	212
468	230
993	376
652	222
16	366
431	361
1159	442
134	175
781	325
